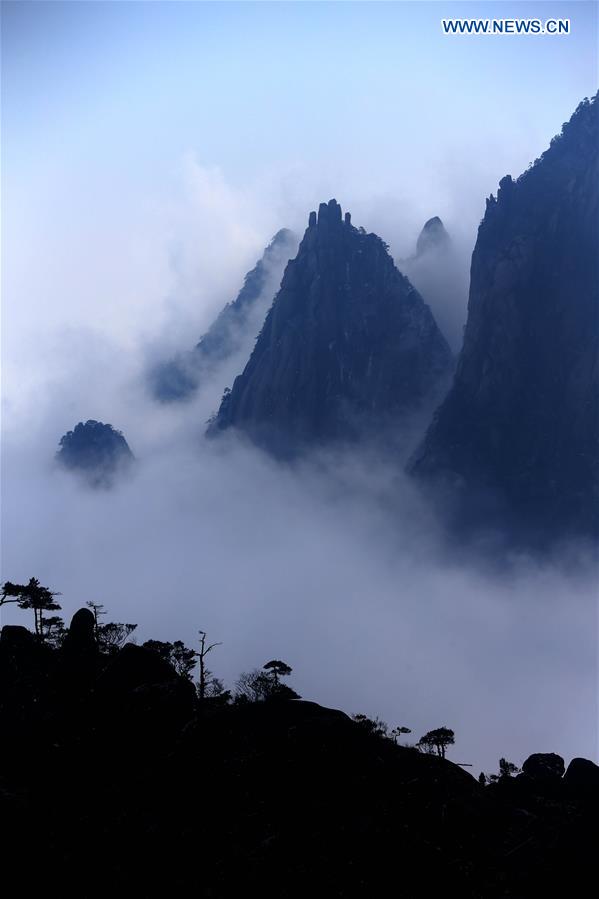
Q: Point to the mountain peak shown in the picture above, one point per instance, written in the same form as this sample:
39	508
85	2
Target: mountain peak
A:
348	347
517	435
329	215
432	236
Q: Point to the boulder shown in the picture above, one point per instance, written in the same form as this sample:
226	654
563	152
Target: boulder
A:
23	658
79	654
544	766
132	667
582	776
80	639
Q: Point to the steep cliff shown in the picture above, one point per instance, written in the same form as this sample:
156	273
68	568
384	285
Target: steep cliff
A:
347	349
178	378
518	436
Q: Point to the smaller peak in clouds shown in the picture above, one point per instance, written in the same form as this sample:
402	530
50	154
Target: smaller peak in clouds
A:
433	236
440	272
96	451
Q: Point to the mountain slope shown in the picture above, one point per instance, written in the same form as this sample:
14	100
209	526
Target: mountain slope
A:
177	379
518	434
347	349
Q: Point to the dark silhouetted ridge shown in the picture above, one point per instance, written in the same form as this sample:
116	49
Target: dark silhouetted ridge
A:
517	437
147	790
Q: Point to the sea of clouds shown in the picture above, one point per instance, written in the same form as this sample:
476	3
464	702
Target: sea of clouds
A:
335	565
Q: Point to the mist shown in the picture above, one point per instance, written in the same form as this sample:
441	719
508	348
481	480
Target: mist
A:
145	171
335	564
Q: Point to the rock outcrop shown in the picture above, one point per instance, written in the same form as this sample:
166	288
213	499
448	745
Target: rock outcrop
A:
582	777
544	766
96	451
179	378
348	350
516	440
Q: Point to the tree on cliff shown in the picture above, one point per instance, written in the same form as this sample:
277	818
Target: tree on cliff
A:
256	686
437	741
111	636
32	596
277	670
177	654
398	732
206	679
373	726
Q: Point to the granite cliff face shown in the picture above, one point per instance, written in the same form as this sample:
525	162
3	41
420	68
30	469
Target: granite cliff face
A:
518	433
178	378
96	451
347	350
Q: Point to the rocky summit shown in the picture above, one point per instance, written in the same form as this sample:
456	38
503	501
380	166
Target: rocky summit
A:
96	451
177	379
433	236
347	351
516	440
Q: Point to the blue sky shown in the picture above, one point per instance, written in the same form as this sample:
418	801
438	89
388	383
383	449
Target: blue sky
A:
247	85
137	136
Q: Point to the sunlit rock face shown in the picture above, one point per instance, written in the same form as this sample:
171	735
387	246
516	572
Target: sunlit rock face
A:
95	451
179	378
348	349
516	440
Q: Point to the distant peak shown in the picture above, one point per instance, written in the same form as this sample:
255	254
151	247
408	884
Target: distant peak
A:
433	234
96	450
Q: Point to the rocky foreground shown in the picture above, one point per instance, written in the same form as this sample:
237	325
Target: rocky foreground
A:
116	778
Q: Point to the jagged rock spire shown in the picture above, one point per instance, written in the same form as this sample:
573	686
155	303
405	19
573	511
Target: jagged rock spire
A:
348	348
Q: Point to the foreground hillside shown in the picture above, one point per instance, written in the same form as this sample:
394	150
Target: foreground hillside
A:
115	777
